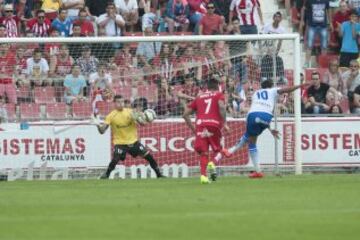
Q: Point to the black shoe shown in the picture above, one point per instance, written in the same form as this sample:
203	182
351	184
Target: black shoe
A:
213	176
161	176
104	176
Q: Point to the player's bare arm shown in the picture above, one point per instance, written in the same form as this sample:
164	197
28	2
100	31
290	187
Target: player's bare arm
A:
186	116
293	88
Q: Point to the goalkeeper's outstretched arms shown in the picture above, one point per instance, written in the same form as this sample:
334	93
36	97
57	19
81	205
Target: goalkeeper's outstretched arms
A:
186	115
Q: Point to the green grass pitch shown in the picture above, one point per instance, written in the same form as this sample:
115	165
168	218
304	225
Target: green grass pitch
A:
292	207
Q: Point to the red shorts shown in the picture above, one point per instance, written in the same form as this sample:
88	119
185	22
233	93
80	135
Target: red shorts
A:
207	136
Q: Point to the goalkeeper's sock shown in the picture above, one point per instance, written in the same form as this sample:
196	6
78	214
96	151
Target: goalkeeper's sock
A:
111	167
204	159
239	145
153	165
254	155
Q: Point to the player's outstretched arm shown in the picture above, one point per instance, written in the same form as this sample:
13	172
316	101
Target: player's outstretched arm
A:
293	88
188	111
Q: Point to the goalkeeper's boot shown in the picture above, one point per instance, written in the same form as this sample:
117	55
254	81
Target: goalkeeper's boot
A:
212	169
226	152
104	176
204	179
256	175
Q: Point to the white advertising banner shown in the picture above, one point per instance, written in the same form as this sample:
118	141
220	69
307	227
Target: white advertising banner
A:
67	145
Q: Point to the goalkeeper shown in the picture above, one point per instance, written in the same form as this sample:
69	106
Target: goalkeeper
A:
125	139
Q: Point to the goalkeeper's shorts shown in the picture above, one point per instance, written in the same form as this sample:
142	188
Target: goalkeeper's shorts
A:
135	149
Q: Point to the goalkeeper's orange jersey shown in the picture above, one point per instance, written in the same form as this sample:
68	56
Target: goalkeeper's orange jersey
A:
123	126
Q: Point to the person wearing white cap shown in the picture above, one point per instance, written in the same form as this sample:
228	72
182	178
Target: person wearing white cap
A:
10	21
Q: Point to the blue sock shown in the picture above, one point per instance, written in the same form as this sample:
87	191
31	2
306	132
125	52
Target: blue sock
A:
239	145
254	155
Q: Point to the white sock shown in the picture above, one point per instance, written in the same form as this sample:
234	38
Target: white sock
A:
239	145
254	155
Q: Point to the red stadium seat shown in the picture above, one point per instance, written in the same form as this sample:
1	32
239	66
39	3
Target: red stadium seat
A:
325	59
56	111
148	91
30	111
104	107
82	109
133	34
125	91
44	95
11	111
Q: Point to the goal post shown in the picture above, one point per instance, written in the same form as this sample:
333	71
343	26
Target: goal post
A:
240	61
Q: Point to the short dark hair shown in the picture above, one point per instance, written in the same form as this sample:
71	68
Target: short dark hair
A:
267	84
37	50
39	11
2	26
213	83
354	12
315	73
117	97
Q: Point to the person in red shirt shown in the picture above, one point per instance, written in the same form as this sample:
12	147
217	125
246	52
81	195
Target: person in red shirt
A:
87	28
40	25
211	23
340	16
210	108
7	68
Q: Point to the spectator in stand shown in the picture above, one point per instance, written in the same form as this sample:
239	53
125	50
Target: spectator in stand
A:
7	69
20	67
272	48
60	65
176	14
88	63
87	28
73	7
211	23
165	62
316	95
51	8
336	109
146	51
356	101
338	18
3	31
333	76
112	22
62	23
236	97
10	21
189	91
3	112
100	84
95	8
128	9
76	31
245	10
222	8
190	61
355	4
317	22
40	25
351	80
74	84
166	104
349	31
196	11
37	69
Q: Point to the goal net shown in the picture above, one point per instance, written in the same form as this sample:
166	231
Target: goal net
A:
52	87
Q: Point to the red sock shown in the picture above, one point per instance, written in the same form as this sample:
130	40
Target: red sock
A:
204	159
